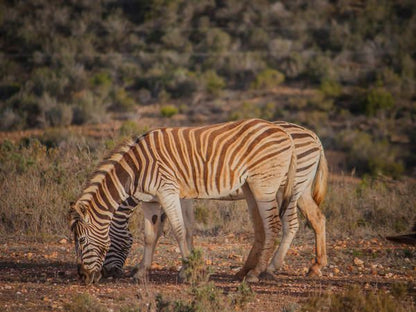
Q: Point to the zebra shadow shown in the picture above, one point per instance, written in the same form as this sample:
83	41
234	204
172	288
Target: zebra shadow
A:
59	272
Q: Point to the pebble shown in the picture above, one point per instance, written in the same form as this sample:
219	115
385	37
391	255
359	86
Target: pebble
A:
358	262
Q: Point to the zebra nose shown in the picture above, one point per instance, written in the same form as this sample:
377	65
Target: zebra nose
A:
92	277
81	272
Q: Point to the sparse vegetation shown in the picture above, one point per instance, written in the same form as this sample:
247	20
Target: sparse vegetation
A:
358	59
168	111
205	295
39	177
345	69
355	299
85	303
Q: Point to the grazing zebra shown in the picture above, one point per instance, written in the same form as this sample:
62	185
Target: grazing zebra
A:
309	191
167	164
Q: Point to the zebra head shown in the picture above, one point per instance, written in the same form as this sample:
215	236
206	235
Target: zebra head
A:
91	244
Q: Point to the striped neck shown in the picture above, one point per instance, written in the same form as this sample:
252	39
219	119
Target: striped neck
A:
110	185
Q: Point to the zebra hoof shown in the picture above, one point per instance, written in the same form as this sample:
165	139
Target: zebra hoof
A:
251	277
268	276
140	276
240	275
314	271
113	272
182	278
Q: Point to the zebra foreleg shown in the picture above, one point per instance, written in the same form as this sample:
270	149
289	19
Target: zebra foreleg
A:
313	214
172	206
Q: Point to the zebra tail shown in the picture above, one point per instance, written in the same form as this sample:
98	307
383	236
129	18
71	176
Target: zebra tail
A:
290	181
321	180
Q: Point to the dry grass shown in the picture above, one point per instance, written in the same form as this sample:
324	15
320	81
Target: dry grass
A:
37	183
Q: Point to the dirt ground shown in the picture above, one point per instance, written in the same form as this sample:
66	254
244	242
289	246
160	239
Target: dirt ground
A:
42	276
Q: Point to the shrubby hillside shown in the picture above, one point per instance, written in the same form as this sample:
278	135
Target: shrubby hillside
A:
80	61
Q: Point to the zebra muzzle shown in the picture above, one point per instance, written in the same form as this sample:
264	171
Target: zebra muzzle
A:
88	277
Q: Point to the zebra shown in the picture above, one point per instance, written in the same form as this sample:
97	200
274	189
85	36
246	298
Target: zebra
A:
309	192
167	164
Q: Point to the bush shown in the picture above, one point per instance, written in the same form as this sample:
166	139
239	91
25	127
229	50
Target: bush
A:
9	120
131	128
84	303
58	116
368	155
101	79
378	99
355	299
330	88
91	108
37	183
168	111
213	83
267	79
246	110
195	269
121	101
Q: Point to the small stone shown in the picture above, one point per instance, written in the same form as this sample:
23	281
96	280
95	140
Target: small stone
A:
358	262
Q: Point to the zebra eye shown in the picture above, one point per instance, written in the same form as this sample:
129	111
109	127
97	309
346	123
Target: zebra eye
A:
82	240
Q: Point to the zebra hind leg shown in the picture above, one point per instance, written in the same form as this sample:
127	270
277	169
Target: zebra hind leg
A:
313	214
255	251
290	227
268	212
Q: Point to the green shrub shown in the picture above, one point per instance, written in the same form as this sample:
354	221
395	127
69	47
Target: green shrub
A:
321	102
121	101
368	155
101	79
213	83
59	116
131	128
330	88
207	297
195	269
267	79
320	68
90	108
179	82
378	99
246	110
10	120
168	111
84	303
243	296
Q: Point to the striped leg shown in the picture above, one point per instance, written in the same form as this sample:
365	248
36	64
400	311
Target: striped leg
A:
121	241
172	206
290	227
267	208
313	214
153	228
255	251
155	219
189	220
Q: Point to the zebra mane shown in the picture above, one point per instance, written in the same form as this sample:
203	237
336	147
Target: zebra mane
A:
105	166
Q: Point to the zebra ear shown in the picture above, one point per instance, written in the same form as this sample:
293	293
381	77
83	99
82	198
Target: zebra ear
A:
84	215
73	215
